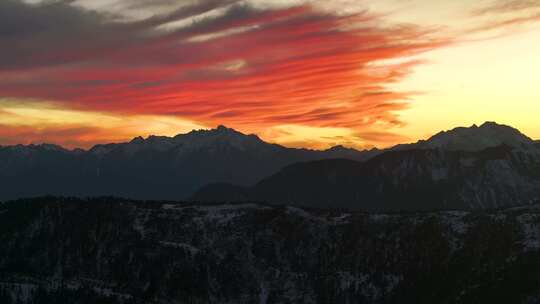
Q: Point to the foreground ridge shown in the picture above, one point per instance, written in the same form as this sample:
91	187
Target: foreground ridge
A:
108	250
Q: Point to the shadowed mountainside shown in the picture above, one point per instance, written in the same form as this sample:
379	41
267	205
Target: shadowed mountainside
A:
484	167
400	181
116	251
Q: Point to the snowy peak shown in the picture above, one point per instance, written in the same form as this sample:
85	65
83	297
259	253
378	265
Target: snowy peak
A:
340	148
137	140
194	140
36	148
221	133
221	129
220	137
476	138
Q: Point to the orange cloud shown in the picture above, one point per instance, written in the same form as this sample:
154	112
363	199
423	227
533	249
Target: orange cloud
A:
263	68
68	136
291	66
326	75
381	138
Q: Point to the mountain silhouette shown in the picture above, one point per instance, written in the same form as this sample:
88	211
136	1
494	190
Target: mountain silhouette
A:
500	168
153	168
474	138
488	166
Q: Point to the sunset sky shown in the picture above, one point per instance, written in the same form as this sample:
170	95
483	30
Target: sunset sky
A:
304	73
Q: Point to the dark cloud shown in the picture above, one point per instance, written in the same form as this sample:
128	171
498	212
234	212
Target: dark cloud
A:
48	34
56	33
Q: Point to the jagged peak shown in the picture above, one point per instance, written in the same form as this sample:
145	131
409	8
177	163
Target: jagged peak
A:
51	147
488	125
492	124
44	146
136	140
223	128
222	132
340	148
489	134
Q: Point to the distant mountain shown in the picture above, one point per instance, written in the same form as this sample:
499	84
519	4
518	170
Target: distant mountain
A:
474	138
444	172
152	168
448	170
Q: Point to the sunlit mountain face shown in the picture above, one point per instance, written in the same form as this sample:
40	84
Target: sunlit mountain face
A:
302	73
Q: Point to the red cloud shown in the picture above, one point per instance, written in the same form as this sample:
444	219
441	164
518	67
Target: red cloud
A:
297	66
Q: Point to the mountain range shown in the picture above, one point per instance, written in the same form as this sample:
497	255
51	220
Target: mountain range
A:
487	166
153	168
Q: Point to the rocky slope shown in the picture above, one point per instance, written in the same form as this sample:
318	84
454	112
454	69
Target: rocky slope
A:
115	251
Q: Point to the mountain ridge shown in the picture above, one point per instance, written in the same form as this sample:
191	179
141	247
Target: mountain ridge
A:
473	138
407	180
157	167
223	130
175	168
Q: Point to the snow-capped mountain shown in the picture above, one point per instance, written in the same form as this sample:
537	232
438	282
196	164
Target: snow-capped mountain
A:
453	169
484	167
474	138
153	168
219	138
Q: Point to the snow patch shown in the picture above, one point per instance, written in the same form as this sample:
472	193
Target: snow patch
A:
190	248
302	213
139	223
530	224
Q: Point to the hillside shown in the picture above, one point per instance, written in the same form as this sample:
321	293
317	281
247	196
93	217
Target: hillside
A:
400	181
118	251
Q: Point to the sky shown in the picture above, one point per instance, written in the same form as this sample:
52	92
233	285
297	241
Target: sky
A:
302	73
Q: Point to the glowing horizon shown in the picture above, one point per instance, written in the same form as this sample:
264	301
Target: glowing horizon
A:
301	73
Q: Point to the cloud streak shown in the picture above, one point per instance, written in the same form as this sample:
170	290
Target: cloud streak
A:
251	67
298	65
508	6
